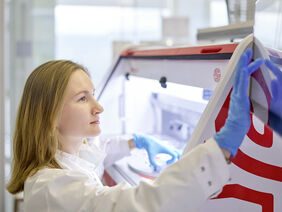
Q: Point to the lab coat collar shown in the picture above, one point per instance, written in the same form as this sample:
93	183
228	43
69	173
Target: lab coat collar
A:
73	162
92	154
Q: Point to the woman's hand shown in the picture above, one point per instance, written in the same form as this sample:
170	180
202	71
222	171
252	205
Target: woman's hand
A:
238	122
153	148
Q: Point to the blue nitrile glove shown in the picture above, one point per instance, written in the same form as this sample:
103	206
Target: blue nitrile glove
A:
275	114
153	148
238	122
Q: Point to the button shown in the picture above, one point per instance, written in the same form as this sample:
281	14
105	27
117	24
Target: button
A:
203	168
209	183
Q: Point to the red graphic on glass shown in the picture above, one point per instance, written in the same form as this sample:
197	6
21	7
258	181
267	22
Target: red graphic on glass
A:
240	192
248	163
216	75
265	139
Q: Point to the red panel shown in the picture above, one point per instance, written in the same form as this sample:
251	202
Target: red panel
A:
198	50
108	179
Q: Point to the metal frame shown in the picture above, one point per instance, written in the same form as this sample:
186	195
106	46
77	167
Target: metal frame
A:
230	32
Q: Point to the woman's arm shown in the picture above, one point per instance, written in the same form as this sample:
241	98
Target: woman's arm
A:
183	186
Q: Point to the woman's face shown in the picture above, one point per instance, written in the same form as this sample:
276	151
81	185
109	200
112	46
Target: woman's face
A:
80	114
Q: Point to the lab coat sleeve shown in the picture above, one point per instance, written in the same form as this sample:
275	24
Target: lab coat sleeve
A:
183	186
115	147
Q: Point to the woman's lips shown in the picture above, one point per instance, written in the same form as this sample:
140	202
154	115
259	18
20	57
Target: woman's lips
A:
95	122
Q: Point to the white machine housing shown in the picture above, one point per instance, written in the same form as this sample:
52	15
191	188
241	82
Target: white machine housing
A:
181	96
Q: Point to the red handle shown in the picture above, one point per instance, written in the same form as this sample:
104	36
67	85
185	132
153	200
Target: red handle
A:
210	50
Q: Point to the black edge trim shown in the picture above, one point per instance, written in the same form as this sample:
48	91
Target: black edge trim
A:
111	74
184	57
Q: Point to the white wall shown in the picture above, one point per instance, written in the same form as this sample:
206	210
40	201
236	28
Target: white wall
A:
198	12
30	42
2	104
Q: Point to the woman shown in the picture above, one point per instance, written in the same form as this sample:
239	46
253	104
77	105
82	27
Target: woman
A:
57	171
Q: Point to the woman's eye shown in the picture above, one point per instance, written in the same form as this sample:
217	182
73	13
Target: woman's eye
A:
82	99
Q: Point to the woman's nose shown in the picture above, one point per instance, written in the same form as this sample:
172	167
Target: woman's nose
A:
97	108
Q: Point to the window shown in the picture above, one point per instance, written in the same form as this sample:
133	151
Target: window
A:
85	34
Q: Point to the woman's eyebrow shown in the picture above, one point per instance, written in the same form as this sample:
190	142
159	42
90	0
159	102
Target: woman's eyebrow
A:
85	92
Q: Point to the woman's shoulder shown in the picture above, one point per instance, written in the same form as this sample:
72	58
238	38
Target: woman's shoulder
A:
48	175
51	189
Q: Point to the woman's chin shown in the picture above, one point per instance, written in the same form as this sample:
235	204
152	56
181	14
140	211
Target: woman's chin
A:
95	133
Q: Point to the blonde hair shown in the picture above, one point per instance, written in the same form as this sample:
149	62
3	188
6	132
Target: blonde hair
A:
35	138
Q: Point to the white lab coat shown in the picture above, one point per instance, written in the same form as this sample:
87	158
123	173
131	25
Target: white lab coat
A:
183	186
104	151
